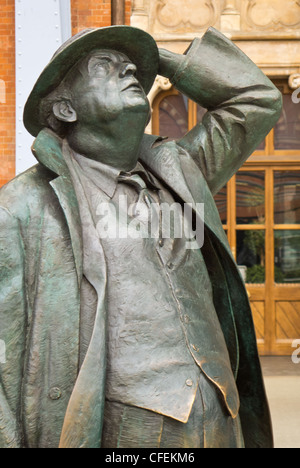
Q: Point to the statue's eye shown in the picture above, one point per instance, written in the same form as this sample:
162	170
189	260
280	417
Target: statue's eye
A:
102	64
99	65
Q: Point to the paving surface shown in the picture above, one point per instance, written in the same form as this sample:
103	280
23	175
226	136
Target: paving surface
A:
282	380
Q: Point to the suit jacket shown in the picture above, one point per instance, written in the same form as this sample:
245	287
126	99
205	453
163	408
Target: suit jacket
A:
41	258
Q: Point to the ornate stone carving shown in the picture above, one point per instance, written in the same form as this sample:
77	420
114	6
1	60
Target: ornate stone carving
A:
230	18
161	84
140	14
138	5
294	81
229	7
271	15
187	15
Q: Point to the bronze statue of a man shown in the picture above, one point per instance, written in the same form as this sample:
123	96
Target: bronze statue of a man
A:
130	340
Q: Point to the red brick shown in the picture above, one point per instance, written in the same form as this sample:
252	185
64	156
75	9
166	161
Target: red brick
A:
7	73
90	13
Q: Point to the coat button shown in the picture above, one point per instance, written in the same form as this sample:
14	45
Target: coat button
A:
55	393
189	382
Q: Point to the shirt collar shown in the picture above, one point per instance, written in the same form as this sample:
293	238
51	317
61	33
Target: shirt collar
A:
103	176
106	177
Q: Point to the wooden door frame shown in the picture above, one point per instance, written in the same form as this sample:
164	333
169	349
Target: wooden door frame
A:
270	293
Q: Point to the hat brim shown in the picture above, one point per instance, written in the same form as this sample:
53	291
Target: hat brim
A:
138	45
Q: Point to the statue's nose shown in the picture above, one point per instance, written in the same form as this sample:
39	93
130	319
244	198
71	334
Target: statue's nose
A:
128	69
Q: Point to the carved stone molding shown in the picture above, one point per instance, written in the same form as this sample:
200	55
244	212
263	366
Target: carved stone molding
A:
272	15
230	7
268	31
230	18
294	81
140	14
138	5
161	84
173	16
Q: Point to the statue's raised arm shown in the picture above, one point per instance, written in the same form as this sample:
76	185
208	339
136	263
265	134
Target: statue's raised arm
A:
243	104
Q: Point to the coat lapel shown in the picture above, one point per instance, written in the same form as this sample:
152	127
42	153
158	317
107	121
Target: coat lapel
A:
177	169
83	419
47	149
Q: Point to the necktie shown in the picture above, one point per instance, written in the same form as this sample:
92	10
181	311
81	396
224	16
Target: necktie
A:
145	209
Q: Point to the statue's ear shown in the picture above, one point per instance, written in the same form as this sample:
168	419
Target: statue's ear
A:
64	112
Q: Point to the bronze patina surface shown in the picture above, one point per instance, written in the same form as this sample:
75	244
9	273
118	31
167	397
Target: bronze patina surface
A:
132	340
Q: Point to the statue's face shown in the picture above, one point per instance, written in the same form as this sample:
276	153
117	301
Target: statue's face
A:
106	87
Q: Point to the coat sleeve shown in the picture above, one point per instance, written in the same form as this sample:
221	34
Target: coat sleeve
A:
243	105
12	329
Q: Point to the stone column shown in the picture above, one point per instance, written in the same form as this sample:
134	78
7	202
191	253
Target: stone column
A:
231	16
140	14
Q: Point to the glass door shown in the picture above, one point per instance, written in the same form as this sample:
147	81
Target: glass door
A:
286	243
264	234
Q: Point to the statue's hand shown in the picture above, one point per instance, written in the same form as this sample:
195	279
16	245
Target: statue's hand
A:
169	62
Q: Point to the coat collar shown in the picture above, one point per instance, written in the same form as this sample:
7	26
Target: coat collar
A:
47	149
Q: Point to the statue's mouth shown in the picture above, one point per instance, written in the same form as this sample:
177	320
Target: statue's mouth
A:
134	85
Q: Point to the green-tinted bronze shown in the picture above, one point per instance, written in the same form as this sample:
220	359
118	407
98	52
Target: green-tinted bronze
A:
65	293
135	43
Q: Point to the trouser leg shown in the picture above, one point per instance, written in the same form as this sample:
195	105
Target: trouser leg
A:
220	429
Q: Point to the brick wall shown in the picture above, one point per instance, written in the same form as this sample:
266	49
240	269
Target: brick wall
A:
128	9
90	13
94	13
7	90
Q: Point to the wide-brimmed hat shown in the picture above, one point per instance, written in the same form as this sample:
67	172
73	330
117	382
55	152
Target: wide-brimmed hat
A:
138	45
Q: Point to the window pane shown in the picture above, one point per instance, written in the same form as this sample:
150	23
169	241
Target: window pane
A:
251	254
173	117
221	202
287	256
287	197
287	130
250	197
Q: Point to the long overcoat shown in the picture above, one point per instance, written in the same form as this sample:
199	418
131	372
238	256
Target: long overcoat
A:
41	257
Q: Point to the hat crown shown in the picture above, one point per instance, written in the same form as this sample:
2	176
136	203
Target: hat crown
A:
72	39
